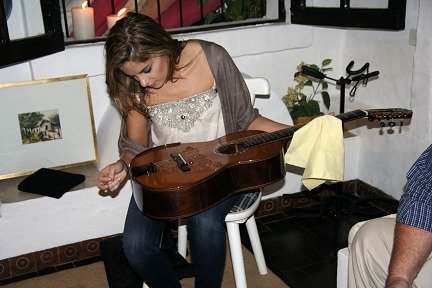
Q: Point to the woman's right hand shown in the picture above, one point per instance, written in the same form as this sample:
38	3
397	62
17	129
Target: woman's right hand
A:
110	177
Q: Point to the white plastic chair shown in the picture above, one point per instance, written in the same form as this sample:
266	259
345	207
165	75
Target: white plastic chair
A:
232	221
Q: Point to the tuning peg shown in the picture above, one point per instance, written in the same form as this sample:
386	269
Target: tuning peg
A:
382	124
391	123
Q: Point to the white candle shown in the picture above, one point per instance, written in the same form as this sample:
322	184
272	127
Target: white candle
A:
83	22
112	19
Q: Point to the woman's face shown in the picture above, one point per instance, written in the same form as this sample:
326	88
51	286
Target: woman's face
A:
150	74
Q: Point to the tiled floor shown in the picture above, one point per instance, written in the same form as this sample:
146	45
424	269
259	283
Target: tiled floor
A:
299	248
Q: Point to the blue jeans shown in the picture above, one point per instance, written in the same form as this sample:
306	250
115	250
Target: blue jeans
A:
207	240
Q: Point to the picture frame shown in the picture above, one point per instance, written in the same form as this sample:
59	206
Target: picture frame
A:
46	123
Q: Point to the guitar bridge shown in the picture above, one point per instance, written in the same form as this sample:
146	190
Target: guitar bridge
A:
181	163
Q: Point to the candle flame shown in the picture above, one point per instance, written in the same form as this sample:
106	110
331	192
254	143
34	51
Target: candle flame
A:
84	5
123	10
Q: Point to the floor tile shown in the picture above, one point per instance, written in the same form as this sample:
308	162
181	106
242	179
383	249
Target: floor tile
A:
300	245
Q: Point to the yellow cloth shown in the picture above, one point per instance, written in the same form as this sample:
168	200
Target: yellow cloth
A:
319	148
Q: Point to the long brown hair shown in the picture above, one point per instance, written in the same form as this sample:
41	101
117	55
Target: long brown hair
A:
137	38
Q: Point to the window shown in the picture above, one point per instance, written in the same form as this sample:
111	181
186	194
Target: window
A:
176	16
375	14
47	37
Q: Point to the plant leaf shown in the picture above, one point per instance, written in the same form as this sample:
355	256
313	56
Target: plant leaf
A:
308	83
310	108
326	62
326	98
210	18
315	67
324	84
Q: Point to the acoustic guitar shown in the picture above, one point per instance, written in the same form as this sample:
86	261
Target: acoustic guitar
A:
179	180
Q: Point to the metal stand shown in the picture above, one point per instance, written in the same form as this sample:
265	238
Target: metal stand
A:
360	75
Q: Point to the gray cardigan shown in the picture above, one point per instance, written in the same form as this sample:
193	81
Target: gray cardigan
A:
234	95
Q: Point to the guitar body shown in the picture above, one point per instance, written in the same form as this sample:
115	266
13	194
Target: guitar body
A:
180	180
216	171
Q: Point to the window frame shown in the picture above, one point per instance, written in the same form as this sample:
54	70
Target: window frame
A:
392	18
20	50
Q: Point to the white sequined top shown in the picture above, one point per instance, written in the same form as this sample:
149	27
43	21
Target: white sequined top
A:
196	118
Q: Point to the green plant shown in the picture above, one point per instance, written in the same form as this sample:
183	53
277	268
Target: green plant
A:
236	10
297	101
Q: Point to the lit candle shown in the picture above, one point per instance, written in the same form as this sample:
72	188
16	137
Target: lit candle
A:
83	22
112	19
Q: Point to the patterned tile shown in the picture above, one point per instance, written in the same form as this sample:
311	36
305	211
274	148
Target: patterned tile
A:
5	271
90	248
22	264
46	258
267	207
70	252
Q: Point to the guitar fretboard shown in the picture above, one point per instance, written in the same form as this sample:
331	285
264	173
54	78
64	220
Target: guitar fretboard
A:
289	132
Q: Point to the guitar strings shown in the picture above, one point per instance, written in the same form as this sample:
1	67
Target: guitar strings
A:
250	141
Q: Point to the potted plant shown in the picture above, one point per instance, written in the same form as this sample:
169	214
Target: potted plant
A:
300	99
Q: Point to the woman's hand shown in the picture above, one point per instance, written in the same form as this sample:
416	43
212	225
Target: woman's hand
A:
112	176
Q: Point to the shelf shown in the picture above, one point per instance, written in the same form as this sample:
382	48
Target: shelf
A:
9	192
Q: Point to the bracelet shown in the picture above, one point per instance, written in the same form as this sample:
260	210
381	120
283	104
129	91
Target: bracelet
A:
125	165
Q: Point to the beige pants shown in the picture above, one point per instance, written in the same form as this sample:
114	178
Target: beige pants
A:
370	247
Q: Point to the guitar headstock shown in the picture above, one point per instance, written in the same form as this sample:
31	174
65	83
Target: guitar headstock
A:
390	116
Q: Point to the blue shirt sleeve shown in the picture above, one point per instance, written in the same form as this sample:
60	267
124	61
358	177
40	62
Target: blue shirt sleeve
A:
415	205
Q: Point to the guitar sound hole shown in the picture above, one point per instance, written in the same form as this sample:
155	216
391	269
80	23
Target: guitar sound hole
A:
230	149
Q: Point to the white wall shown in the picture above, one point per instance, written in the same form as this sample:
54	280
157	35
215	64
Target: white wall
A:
270	51
404	81
43	223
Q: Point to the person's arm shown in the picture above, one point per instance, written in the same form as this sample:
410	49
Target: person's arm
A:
137	131
411	248
413	232
265	124
113	175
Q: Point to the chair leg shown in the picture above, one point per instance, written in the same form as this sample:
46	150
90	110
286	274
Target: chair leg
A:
182	240
256	245
236	254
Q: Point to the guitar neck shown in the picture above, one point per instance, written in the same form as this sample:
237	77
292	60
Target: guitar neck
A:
287	133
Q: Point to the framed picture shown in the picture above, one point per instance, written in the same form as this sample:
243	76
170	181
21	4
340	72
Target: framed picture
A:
46	123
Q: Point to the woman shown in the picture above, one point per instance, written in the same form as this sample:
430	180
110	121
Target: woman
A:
173	91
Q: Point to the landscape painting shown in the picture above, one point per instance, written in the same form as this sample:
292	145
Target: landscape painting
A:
40	126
